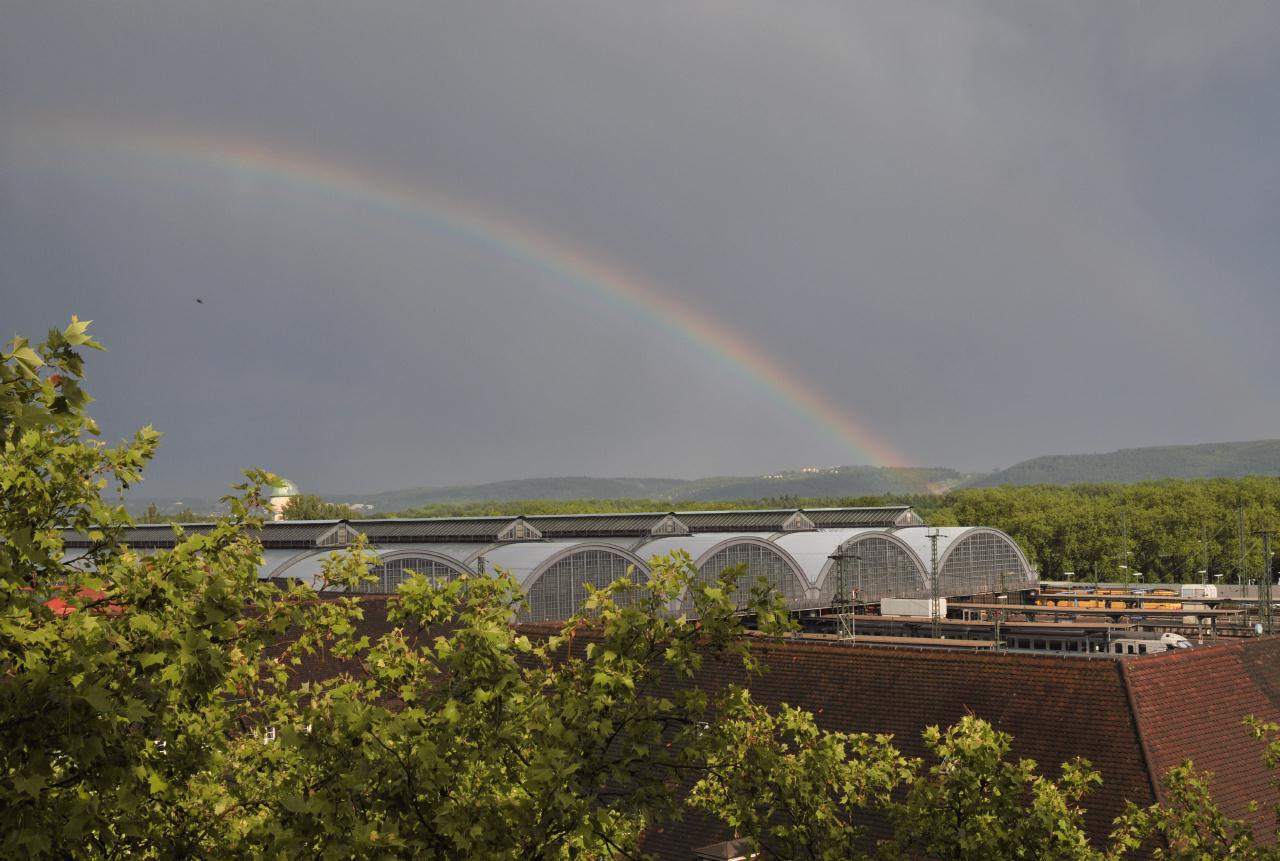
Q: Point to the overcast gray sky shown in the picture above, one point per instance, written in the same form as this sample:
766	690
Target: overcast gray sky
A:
454	242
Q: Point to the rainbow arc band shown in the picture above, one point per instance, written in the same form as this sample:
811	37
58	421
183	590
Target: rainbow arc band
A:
305	173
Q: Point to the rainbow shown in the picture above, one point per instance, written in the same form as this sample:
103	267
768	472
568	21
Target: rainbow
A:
309	173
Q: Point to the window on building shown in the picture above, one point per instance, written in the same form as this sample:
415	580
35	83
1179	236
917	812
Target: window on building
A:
392	573
760	561
559	592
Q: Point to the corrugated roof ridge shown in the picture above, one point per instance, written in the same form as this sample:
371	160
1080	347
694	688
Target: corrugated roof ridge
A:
897	506
1135	713
492	518
739	511
504	518
580	515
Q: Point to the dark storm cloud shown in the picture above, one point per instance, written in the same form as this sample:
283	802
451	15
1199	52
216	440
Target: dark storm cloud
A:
987	231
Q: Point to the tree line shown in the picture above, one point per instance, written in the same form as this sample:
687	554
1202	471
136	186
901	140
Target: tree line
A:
160	705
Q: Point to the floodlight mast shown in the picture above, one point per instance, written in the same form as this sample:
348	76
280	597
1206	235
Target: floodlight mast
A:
935	596
1001	598
845	596
1265	611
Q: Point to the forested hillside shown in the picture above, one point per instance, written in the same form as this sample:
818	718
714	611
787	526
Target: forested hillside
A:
565	487
836	481
1211	460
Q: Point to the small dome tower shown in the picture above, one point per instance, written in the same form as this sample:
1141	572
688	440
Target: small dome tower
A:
279	497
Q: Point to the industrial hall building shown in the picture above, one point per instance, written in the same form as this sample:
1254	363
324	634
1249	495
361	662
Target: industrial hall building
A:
887	552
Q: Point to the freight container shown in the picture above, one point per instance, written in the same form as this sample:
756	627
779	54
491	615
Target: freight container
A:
911	607
1199	590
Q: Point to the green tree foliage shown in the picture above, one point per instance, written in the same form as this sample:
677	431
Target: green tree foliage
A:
138	691
308	506
571	743
153	514
1175	529
1187	825
975	804
797	792
117	667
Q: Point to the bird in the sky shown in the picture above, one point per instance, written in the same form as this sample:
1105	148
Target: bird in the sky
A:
199	301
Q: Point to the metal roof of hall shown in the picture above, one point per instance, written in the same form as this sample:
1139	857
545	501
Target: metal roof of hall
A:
305	533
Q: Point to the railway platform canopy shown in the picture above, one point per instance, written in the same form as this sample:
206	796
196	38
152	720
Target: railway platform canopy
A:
805	554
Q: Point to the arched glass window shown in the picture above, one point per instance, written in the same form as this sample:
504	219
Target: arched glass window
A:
761	561
884	570
982	563
559	593
393	572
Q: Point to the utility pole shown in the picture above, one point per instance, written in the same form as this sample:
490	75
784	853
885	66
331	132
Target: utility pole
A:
1204	546
1240	514
934	588
1124	539
1265	609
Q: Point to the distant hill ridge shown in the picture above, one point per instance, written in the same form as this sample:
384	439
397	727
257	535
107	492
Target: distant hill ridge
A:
1126	466
1129	465
834	482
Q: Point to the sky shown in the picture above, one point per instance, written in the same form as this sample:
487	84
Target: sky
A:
393	244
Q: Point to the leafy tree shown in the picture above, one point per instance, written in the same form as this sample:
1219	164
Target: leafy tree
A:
793	790
1187	826
154	515
117	667
137	688
974	803
308	506
571	743
797	792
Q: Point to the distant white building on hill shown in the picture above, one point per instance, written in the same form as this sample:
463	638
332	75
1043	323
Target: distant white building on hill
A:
280	496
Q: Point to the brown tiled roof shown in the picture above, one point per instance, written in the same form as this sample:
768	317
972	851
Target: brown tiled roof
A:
1054	707
1191	704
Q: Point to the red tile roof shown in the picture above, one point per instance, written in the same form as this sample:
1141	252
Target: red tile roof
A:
1191	704
1055	708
